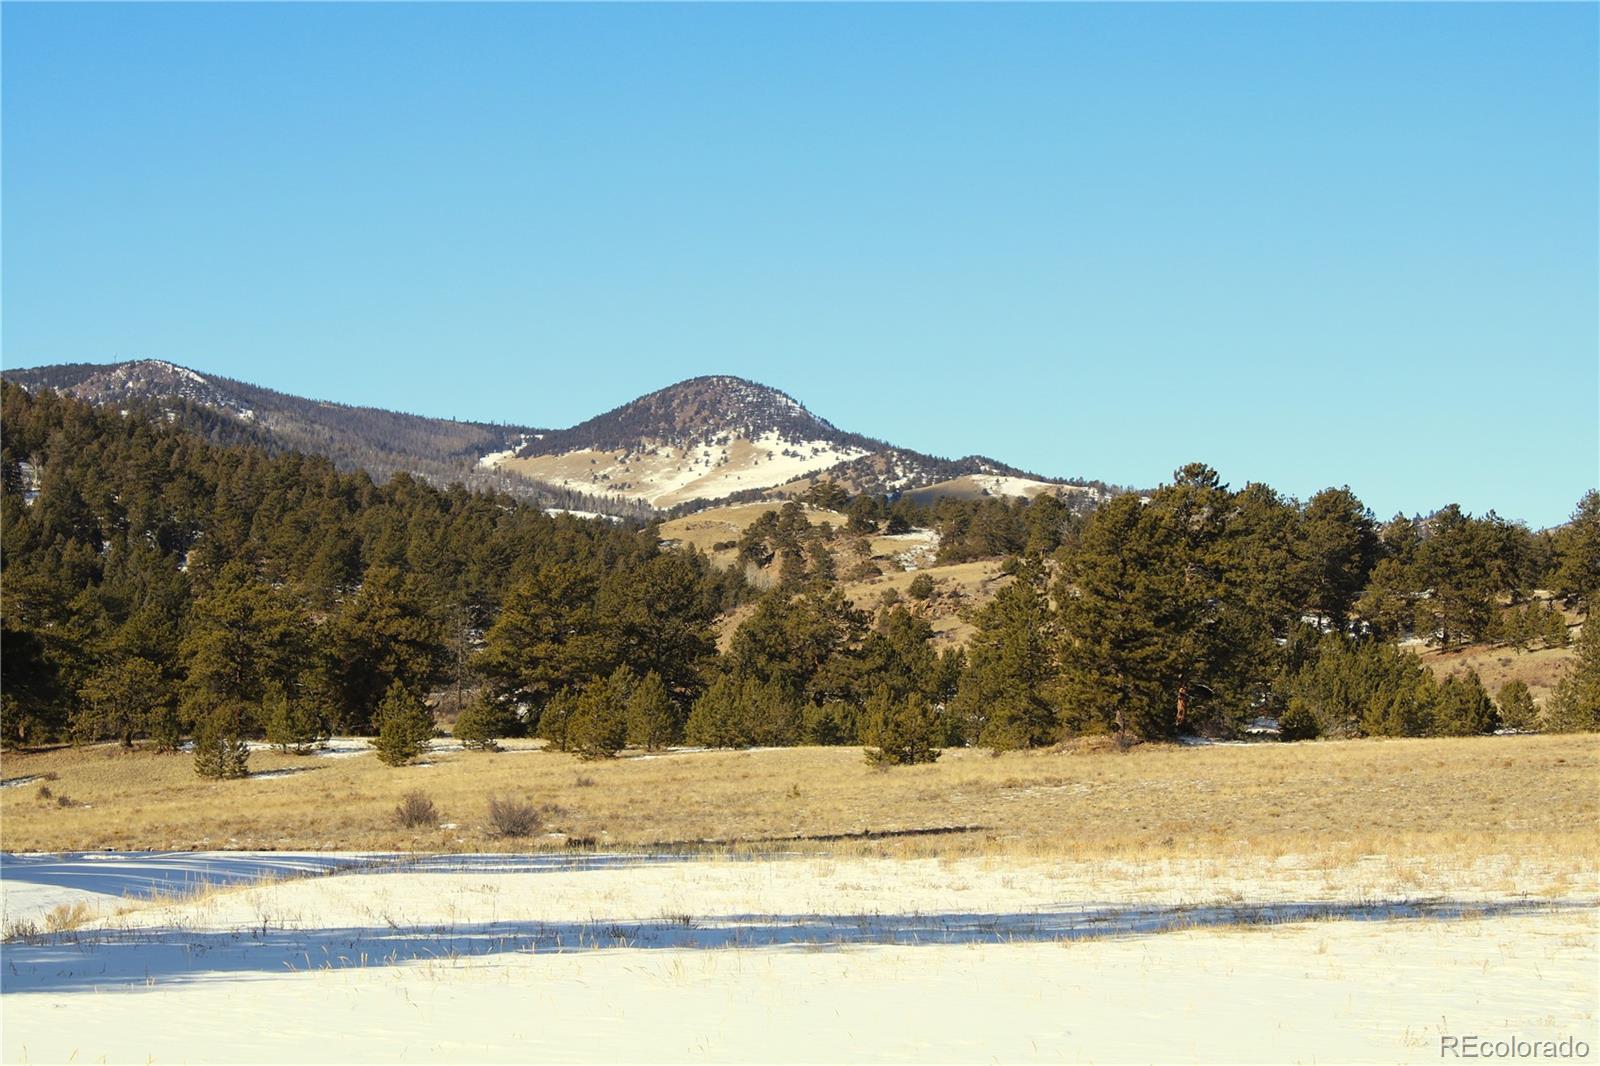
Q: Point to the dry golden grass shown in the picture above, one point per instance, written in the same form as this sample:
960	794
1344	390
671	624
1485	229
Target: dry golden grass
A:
1496	664
961	588
717	524
1448	797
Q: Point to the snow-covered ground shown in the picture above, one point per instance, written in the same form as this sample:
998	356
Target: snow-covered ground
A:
662	474
618	958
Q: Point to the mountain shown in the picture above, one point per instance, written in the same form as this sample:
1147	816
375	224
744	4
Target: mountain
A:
721	437
705	440
383	443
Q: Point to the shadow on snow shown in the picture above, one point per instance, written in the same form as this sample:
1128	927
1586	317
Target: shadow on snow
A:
90	959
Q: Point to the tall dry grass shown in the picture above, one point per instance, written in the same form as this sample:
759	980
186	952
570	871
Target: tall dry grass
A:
1452	798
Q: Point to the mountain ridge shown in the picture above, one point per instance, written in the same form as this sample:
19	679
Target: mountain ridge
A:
693	443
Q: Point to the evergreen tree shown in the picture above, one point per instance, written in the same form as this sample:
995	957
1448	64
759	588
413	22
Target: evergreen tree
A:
220	750
1363	688
291	723
242	636
387	633
481	723
741	714
404	726
901	731
1517	709
1577	571
547	637
652	718
598	728
1005	699
556	716
123	699
1337	548
1463	708
1163	628
1575	705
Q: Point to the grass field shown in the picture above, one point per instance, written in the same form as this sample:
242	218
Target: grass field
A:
1524	795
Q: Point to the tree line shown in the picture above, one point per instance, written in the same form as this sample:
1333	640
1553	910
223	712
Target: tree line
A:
160	586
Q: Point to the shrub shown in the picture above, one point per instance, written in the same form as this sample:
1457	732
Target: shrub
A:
65	800
44	794
510	817
1517	709
404	726
921	587
65	916
219	746
416	811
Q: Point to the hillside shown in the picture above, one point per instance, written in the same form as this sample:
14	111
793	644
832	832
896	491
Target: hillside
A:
381	442
702	441
725	438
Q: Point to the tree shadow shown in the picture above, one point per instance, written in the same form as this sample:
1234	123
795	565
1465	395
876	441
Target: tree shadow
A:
94	959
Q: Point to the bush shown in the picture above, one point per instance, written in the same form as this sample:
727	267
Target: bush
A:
921	587
416	811
509	817
404	726
219	747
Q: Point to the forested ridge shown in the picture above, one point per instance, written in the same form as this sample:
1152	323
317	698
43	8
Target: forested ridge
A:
381	442
158	585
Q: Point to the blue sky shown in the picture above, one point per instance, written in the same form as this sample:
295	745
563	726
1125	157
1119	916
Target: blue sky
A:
1309	245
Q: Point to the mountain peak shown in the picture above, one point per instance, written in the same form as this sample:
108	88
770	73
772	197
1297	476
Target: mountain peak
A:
711	409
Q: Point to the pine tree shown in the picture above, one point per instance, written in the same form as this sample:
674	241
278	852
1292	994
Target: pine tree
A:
652	718
481	723
291	723
1577	570
556	716
714	720
1554	628
1006	697
404	726
1337	547
1575	705
599	725
123	699
901	731
1463	708
1517	709
220	750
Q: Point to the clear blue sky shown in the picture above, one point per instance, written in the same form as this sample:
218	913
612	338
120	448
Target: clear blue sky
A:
1310	245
